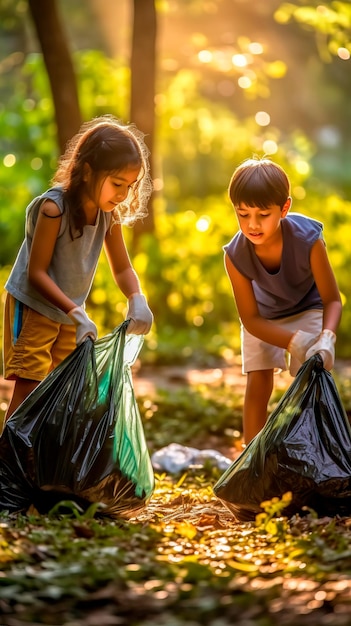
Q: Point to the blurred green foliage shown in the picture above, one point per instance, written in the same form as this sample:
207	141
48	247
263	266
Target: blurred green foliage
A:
331	22
199	143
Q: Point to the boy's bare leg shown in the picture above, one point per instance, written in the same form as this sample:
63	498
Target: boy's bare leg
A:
22	389
258	392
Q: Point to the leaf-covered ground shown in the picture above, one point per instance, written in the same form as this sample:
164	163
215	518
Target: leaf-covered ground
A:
183	559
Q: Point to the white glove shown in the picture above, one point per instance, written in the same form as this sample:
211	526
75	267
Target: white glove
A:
139	314
325	346
299	344
84	326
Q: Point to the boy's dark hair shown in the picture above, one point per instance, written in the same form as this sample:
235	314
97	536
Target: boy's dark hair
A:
259	182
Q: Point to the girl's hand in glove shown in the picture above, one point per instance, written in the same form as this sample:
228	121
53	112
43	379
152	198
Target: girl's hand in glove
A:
85	327
140	315
325	346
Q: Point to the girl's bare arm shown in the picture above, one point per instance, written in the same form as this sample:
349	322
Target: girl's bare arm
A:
43	244
119	261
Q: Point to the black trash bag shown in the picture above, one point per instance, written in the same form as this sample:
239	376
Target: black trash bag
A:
79	436
304	448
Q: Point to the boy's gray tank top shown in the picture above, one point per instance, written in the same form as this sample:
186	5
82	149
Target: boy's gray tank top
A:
73	264
292	289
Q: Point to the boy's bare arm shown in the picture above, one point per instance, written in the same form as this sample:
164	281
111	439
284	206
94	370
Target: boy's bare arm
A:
327	286
247	307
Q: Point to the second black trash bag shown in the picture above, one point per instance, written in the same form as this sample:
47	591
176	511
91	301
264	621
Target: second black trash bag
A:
79	435
304	448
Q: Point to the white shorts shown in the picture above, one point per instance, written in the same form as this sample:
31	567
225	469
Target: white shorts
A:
259	355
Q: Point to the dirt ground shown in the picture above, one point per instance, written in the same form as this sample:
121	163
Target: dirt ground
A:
146	379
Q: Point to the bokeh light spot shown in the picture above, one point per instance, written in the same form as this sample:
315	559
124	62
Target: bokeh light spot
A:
176	122
36	163
244	82
299	192
198	320
344	54
203	224
262	118
28	104
302	167
9	160
270	146
158	184
255	47
239	60
205	56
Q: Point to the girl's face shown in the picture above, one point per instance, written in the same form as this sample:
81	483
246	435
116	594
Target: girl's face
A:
260	225
114	188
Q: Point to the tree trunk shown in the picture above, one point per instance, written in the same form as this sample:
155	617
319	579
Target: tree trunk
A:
143	71
59	66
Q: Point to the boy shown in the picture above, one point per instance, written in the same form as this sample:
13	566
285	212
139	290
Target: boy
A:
284	287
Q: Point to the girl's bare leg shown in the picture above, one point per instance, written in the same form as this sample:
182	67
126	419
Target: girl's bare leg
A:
22	389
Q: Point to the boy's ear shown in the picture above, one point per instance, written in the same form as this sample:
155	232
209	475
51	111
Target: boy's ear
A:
286	206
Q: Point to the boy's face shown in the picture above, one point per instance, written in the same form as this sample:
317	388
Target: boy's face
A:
261	225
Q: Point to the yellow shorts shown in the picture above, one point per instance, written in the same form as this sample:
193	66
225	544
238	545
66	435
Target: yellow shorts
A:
32	343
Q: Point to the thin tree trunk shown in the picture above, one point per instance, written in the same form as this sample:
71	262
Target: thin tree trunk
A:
143	72
59	67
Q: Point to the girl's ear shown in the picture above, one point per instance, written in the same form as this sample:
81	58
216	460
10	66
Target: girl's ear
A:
86	172
286	206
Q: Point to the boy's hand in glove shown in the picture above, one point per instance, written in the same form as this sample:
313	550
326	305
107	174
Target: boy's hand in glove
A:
325	346
300	343
140	315
85	327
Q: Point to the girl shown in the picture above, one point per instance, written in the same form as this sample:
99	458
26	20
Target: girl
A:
102	181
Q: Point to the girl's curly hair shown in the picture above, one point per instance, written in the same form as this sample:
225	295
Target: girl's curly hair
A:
107	145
